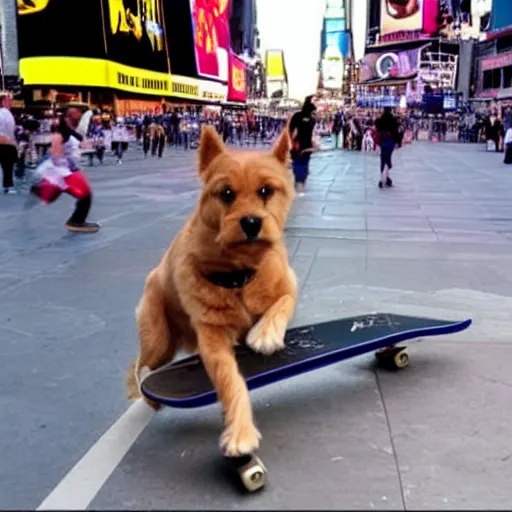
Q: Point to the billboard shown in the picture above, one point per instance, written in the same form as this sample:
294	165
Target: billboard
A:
134	34
237	83
401	15
274	65
210	20
120	44
392	64
501	14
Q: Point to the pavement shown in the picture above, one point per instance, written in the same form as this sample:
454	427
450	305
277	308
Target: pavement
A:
350	436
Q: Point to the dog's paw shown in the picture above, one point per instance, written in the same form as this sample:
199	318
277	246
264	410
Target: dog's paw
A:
267	336
236	441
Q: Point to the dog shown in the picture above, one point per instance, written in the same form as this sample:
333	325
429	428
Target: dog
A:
225	277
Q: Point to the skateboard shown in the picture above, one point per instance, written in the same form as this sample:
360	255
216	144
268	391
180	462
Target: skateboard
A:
185	384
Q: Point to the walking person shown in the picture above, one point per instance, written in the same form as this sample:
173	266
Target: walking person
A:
8	144
387	130
302	125
61	173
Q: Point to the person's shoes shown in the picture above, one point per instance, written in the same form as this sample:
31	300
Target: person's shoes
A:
380	184
10	191
389	182
86	227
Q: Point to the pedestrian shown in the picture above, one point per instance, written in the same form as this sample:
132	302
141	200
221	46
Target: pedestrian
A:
8	144
387	130
301	128
61	173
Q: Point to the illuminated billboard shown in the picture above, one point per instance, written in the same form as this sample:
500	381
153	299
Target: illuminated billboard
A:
392	64
274	65
237	83
126	45
401	15
501	14
211	37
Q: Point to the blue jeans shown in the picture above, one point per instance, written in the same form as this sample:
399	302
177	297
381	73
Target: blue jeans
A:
300	171
386	151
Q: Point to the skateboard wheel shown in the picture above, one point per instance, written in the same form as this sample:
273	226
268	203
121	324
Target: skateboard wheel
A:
401	359
253	474
393	358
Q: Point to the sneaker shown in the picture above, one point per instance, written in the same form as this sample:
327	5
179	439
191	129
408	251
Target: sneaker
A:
10	191
389	182
86	227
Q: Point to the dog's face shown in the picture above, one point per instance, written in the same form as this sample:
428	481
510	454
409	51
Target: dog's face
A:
246	195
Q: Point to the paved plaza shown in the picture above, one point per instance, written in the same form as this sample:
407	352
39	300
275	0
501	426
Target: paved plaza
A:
434	436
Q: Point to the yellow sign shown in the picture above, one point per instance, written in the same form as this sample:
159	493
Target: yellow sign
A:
31	6
83	72
274	63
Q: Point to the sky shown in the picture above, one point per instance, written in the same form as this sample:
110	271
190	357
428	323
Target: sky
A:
293	26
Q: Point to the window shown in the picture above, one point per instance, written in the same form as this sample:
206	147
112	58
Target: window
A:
492	79
507	76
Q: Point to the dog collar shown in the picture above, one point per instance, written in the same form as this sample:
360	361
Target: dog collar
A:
231	279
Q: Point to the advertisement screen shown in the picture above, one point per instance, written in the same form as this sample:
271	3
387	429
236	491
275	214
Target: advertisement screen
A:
210	20
274	64
118	44
237	83
340	40
332	73
401	15
501	14
52	49
44	28
399	64
430	13
134	34
335	25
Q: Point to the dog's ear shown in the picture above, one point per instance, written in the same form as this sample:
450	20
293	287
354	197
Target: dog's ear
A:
210	146
282	147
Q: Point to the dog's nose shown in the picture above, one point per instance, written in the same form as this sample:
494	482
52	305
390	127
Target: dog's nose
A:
251	226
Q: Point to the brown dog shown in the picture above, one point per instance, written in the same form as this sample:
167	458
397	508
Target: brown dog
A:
226	276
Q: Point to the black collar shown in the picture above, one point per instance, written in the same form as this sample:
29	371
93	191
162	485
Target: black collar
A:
231	279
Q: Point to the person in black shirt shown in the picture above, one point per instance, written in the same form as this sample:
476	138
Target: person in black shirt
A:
388	136
301	127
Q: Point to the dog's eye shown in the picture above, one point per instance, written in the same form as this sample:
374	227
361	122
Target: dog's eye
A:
265	192
227	195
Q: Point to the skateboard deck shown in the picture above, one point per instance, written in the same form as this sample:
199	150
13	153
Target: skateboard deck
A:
185	384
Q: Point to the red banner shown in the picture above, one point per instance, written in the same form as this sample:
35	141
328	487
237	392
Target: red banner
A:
237	83
211	37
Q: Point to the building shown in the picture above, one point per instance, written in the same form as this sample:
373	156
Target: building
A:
335	49
245	42
493	70
243	27
9	43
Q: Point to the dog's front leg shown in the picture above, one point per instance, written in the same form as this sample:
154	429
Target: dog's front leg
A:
268	333
216	350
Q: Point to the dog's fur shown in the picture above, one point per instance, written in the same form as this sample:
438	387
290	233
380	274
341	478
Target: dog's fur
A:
182	309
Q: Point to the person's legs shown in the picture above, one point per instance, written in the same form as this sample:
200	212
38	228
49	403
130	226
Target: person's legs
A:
8	157
79	187
300	171
161	144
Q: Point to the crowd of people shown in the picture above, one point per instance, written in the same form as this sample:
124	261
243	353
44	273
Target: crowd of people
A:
60	141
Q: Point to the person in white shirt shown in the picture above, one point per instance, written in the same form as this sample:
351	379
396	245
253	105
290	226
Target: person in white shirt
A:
8	145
